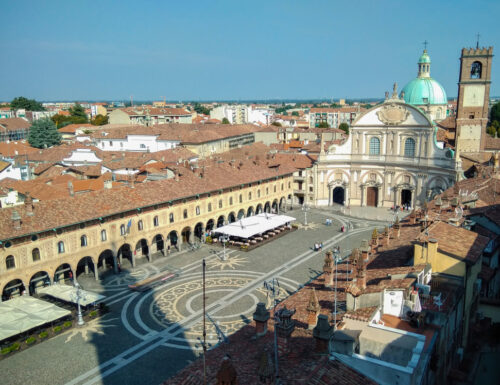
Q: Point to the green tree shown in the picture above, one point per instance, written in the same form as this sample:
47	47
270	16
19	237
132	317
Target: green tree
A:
201	109
295	113
344	127
78	114
43	133
27	104
495	112
323	125
99	120
225	121
277	124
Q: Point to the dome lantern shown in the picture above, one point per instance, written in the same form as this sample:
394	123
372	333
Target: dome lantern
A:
424	65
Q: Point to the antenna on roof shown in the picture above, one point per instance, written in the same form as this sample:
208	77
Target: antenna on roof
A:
477	40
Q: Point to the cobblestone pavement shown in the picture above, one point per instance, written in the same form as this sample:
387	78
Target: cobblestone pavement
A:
149	336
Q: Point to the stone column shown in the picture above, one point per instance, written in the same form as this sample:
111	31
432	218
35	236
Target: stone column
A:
96	272
328	270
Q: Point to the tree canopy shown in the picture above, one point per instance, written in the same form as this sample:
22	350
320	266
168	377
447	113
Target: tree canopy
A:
99	120
78	113
344	127
43	133
225	121
323	125
495	113
201	109
295	113
28	104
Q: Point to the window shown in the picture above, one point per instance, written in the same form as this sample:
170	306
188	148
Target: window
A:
267	190
185	214
289	185
475	70
282	187
241	198
374	146
35	254
83	241
156	221
171	217
122	230
230	201
197	210
60	247
142	145
220	203
110	143
209	207
249	195
140	225
409	148
310	189
104	236
274	188
10	262
258	193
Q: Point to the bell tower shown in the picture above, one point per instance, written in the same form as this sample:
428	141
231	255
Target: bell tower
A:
473	98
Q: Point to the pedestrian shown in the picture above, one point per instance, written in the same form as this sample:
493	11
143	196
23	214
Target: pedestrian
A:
70	275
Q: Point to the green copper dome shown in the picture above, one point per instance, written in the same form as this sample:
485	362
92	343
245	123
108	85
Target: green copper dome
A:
424	90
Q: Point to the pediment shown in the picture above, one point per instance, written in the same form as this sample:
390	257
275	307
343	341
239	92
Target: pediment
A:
393	114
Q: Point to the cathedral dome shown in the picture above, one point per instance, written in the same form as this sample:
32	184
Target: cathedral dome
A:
424	90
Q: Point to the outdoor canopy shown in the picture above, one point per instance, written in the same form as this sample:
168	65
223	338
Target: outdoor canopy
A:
68	293
23	313
256	224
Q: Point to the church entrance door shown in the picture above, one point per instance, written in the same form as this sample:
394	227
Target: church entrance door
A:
372	196
405	197
338	195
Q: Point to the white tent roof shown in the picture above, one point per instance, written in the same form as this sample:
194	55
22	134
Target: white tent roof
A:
256	224
24	313
68	293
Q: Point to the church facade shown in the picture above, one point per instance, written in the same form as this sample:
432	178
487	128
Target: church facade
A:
391	158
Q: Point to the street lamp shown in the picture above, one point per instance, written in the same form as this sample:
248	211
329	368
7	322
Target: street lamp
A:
224	239
79	295
305	209
336	258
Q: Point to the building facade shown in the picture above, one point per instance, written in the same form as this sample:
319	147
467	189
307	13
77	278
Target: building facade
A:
390	158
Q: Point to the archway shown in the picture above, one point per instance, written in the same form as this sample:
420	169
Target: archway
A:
38	280
220	221
241	214
157	244
186	235
274	207
259	209
173	238
231	217
141	249
63	273
405	197
267	207
282	205
210	224
338	195
198	231
372	196
250	211
125	252
106	261
86	266
13	288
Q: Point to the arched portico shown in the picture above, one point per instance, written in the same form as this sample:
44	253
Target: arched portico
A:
259	209
106	261
199	231
274	207
220	221
241	214
125	254
85	266
267	207
173	239
210	224
13	288
142	249
63	273
282	205
157	244
338	195
250	211
187	235
231	217
39	279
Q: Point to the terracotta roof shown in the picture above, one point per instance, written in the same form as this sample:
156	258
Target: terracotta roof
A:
12	149
456	241
449	123
55	213
4	165
155	111
491	143
14	124
71	128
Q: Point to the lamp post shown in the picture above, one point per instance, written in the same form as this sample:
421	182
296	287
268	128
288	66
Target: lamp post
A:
79	295
224	239
336	257
273	287
305	209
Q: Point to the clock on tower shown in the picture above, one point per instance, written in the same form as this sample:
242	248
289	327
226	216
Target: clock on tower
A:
473	98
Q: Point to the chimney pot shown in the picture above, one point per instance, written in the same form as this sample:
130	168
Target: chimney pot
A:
16	220
261	316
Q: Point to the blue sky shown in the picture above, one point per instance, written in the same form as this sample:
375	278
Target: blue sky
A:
209	50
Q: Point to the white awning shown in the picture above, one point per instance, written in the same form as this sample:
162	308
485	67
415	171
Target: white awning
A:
256	224
68	293
23	313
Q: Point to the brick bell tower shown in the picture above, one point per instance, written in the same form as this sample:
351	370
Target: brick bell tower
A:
473	98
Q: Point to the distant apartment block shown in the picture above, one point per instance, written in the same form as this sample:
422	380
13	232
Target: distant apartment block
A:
333	116
13	129
149	116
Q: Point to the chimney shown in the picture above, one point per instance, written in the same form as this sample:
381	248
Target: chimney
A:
261	316
361	274
16	220
432	248
328	270
322	334
284	327
413	216
176	177
108	184
28	204
312	310
375	237
227	373
71	190
365	249
385	237
266	368
397	228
